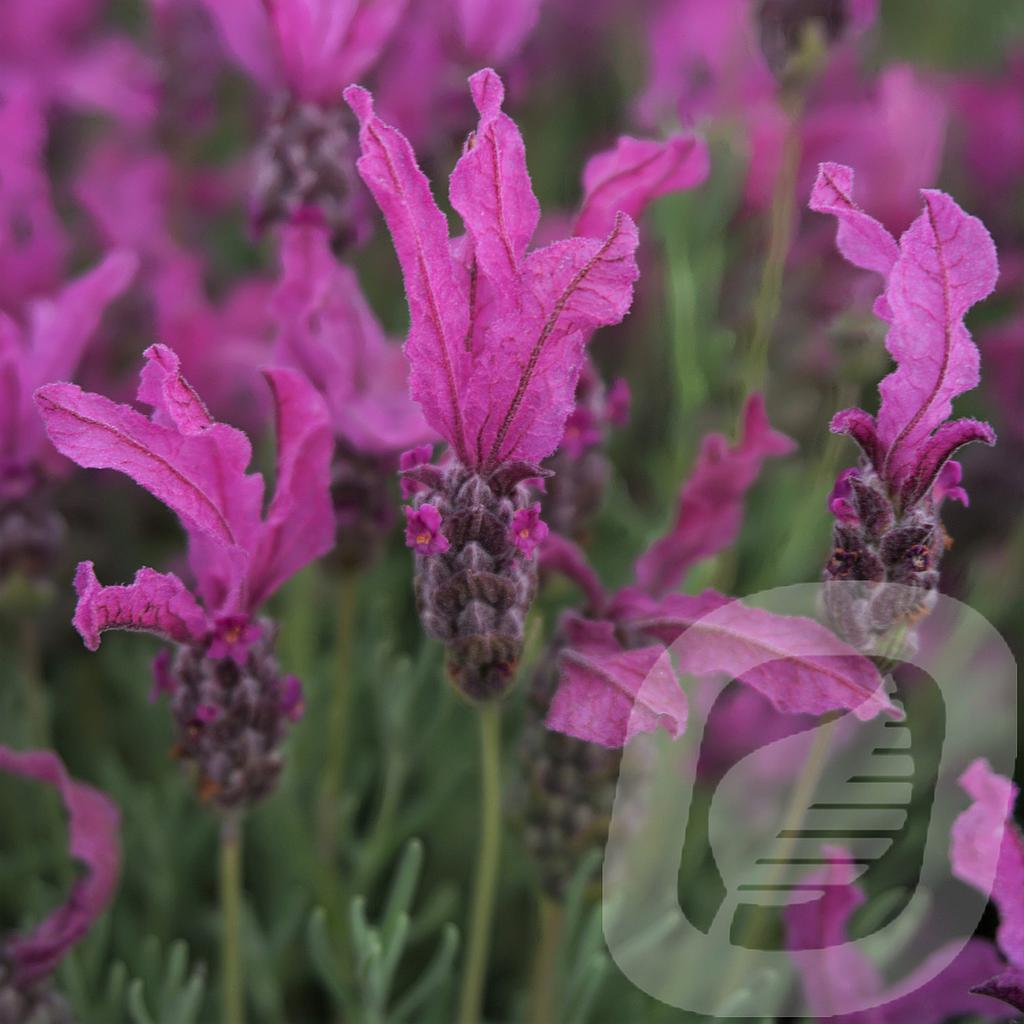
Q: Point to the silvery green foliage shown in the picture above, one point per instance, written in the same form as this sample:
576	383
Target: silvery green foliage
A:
372	993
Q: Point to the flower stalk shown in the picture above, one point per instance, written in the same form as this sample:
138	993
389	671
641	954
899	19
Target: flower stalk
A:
231	919
338	719
482	912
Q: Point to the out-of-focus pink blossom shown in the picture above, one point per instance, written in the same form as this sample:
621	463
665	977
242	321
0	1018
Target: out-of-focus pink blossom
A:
497	333
707	63
988	111
327	329
711	501
239	554
33	244
634	173
987	851
837	974
797	664
311	48
93	825
49	344
59	50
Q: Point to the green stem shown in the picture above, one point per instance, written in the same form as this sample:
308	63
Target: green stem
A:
338	721
478	946
799	800
769	296
231	919
544	986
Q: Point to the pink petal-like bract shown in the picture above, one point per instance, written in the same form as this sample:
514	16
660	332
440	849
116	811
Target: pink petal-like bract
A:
93	825
711	501
154	602
490	188
436	293
52	345
860	238
947	263
199	475
607	695
798	664
561	555
493	31
944	264
987	851
524	380
497	332
197	467
840	973
299	525
634	173
327	330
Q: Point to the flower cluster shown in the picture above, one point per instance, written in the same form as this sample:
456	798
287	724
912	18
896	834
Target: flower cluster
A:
230	702
495	348
887	508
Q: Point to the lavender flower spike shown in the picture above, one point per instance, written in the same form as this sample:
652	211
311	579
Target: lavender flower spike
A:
887	508
495	347
231	703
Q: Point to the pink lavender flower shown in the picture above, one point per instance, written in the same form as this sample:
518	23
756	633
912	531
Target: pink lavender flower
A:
528	529
423	530
987	851
47	341
303	53
27	960
886	509
847	977
495	346
239	554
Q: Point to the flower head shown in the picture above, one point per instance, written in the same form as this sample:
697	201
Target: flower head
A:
886	509
423	530
224	684
93	825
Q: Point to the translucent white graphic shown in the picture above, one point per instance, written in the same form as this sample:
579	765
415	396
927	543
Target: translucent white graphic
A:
767	826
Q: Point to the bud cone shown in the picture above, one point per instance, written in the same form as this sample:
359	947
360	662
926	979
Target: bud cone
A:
31	530
307	161
570	787
475	595
876	548
363	506
230	720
